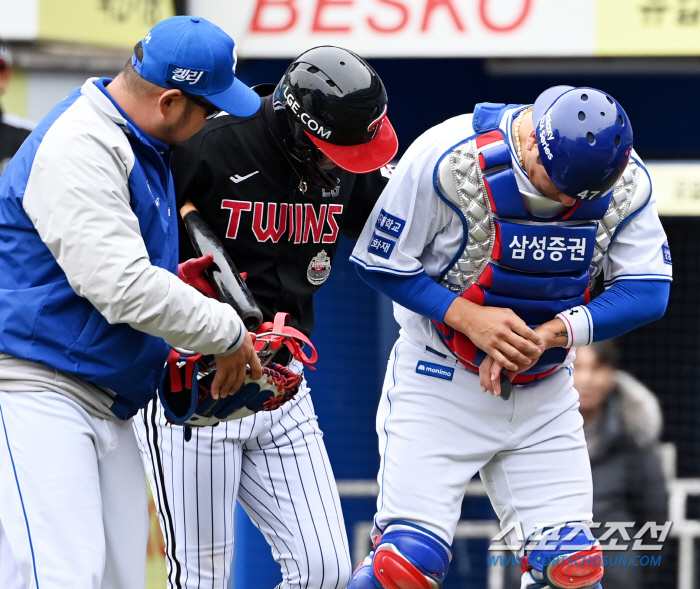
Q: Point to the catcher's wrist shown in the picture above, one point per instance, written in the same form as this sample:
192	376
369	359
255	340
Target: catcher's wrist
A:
459	314
554	334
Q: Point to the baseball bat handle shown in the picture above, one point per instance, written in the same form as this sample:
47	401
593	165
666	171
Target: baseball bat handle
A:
222	274
506	387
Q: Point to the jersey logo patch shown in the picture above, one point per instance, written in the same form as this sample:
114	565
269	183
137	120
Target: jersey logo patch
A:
319	268
667	254
435	370
387	223
381	246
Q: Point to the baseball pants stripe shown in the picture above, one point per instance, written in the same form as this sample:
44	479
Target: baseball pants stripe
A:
150	443
276	466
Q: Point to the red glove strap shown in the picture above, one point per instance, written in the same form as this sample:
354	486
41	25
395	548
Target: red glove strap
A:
190	272
279	333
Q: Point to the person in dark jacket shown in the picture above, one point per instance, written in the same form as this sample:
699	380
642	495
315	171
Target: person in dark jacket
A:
622	424
13	130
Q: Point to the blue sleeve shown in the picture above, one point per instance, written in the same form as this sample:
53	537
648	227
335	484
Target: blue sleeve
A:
626	305
418	293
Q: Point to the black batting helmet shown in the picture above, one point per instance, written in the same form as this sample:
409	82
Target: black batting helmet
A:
336	102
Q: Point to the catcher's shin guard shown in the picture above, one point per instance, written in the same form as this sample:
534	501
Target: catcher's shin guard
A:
405	557
563	557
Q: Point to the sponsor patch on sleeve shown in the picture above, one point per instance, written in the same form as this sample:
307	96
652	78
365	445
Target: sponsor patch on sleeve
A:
667	254
387	223
435	370
381	246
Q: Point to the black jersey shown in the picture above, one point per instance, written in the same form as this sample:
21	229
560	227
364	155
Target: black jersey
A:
239	178
13	132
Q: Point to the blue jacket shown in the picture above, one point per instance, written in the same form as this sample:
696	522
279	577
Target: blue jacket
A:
88	252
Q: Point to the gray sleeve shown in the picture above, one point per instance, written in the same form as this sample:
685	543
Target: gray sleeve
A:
77	198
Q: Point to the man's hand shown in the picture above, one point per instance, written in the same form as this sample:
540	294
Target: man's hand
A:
490	375
231	369
553	334
499	332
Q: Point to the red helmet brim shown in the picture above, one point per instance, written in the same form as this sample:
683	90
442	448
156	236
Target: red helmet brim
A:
365	157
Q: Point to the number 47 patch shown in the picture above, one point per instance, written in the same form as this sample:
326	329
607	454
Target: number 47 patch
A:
588	194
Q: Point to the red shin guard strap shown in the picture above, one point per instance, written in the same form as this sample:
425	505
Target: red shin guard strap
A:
577	570
395	572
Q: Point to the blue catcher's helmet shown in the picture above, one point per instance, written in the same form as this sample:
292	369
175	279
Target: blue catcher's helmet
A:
584	138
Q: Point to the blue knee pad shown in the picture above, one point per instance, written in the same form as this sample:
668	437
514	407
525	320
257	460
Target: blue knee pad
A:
405	557
564	557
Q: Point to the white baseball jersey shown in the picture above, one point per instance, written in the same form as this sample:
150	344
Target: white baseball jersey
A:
275	464
429	233
433	418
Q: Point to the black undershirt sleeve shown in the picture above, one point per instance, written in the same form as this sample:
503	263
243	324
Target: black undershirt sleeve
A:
192	181
190	171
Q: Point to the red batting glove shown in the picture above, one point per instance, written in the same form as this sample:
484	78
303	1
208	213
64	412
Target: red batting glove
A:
190	272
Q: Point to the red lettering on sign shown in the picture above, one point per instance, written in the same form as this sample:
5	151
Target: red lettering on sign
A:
236	207
373	24
257	26
431	5
332	211
483	13
320	7
312	223
272	230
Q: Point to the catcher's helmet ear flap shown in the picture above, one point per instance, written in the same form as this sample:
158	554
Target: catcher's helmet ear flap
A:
584	138
333	97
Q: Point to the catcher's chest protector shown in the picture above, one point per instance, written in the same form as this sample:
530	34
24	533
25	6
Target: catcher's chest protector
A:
521	251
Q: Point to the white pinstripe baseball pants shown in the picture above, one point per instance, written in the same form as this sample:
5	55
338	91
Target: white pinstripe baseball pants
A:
276	465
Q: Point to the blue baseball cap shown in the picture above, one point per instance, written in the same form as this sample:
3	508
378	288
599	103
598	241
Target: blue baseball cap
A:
194	55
